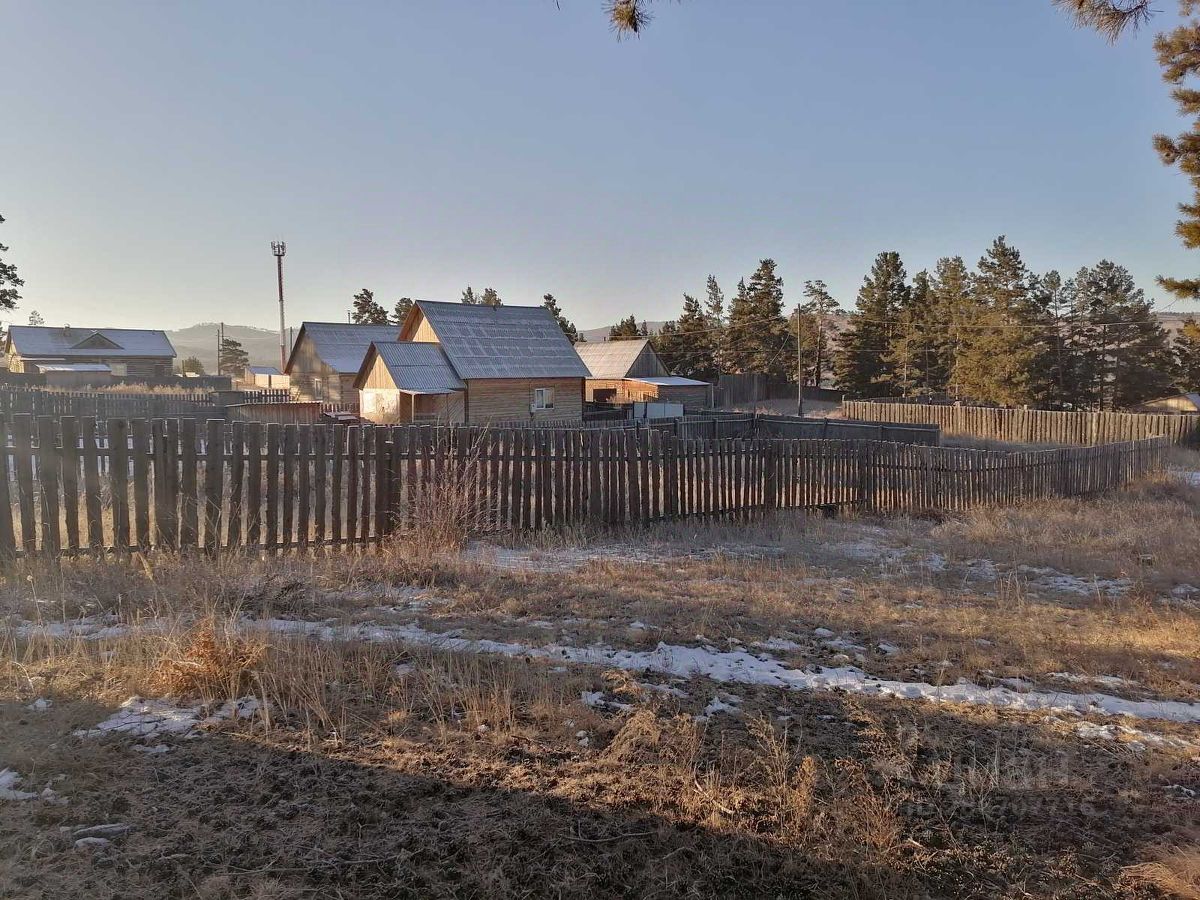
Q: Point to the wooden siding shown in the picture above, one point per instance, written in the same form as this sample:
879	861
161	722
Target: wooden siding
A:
630	391
418	330
509	399
143	367
647	364
393	407
311	377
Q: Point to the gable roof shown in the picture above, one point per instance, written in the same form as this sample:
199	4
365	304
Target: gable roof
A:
668	380
415	367
43	341
611	359
341	346
500	341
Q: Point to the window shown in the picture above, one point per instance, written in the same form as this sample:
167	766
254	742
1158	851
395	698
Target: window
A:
543	398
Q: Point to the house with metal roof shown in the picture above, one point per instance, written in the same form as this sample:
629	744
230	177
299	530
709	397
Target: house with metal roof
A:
405	381
135	352
326	357
492	364
630	371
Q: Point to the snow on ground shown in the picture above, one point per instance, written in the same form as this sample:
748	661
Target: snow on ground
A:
566	559
742	667
138	717
9	779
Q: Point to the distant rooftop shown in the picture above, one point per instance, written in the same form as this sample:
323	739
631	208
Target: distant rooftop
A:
343	346
416	367
611	359
43	341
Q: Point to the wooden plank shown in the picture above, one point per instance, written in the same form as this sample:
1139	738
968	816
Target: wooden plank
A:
366	448
254	482
320	448
336	504
353	466
593	461
289	465
70	482
140	440
274	436
382	484
160	478
47	474
8	542
237	470
23	463
304	485
93	507
189	464
118	449
214	484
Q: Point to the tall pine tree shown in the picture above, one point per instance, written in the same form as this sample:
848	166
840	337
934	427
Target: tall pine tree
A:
400	310
1187	356
626	328
820	308
861	363
758	339
567	326
685	345
951	305
366	311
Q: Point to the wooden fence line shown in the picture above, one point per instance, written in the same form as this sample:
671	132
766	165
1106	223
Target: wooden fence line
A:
69	487
1033	426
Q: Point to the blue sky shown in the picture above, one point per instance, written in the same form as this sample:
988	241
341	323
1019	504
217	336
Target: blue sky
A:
151	151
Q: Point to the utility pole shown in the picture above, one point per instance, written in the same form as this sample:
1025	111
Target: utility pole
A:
799	368
279	248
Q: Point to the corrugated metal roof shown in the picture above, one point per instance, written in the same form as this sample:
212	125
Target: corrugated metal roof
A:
670	381
502	341
342	346
417	368
33	341
263	370
611	359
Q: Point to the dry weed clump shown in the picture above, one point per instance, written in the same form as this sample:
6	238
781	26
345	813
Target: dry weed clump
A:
1176	872
214	662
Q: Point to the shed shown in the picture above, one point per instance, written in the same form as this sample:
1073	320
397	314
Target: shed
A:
405	381
77	375
267	377
1176	403
625	372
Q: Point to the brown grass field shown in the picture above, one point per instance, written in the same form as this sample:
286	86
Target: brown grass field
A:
514	720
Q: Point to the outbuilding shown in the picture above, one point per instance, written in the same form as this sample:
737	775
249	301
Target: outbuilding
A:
623	372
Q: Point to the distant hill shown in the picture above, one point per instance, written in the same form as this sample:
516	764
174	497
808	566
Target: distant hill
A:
601	333
201	341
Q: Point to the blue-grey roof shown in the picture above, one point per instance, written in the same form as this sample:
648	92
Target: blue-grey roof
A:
502	341
41	341
611	359
263	370
75	367
416	368
342	346
669	380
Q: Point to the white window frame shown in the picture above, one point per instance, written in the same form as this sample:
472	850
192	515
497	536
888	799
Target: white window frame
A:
543	398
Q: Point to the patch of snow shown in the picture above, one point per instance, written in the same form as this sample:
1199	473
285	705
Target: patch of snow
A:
91	628
778	643
667	689
1108	681
152	750
147	718
1133	738
1189	477
887	649
1047	579
9	779
823	632
41	704
721	703
597	700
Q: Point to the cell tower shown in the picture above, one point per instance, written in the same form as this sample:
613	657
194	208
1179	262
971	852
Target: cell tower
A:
279	248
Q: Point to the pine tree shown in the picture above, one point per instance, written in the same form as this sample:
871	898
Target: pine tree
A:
9	280
232	360
860	365
758	338
684	345
469	298
951	306
1058	373
489	297
714	316
400	310
1122	353
998	360
905	357
568	327
192	366
367	311
626	328
1187	356
820	309
35	318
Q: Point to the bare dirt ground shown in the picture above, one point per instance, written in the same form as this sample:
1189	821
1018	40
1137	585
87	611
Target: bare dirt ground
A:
1005	703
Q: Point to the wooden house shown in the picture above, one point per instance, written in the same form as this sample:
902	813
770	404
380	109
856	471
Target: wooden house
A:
88	352
326	357
474	364
623	372
1176	403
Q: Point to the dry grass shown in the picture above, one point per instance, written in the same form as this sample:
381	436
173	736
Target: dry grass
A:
389	770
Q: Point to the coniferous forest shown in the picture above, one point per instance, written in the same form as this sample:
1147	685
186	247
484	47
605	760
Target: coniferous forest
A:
995	333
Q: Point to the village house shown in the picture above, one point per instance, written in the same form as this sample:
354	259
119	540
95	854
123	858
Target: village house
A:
88	355
327	356
629	371
462	363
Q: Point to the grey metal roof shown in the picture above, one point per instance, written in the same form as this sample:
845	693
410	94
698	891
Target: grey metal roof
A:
34	341
611	359
669	381
415	367
343	346
502	341
263	370
75	367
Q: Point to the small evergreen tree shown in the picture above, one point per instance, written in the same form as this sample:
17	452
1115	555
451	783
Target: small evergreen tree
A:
714	316
366	311
568	327
905	357
489	297
626	328
35	318
400	310
861	364
820	309
9	280
684	345
232	360
192	366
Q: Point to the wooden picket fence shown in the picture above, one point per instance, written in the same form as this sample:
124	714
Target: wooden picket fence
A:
1032	426
69	487
101	405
